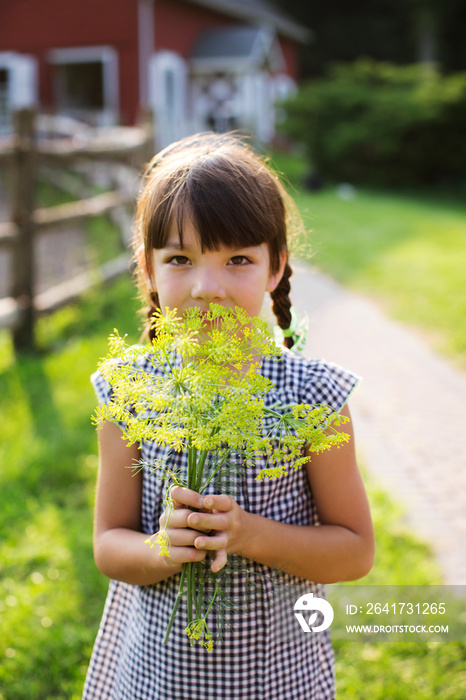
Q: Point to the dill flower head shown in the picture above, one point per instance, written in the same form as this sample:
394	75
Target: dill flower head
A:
206	378
198	631
197	386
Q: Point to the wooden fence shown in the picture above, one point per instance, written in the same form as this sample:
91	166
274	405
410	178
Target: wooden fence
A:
19	311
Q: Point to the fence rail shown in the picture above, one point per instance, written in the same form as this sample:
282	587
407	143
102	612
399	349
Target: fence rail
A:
22	154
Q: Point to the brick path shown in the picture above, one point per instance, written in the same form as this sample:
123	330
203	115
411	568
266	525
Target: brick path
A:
409	413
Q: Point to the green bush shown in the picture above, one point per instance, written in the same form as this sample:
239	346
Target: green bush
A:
382	124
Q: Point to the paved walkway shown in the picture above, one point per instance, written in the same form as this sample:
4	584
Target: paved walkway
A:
409	413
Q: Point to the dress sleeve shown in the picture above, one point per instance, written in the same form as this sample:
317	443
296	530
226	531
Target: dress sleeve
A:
104	391
101	387
329	384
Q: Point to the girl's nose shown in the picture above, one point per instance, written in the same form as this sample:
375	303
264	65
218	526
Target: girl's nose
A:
208	286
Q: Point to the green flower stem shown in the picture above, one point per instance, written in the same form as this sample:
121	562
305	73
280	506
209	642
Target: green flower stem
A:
181	592
202	456
190	573
196	464
167	359
189	593
202	460
214	472
200	592
213	599
192	458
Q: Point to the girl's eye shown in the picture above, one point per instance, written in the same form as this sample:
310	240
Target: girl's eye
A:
239	260
178	260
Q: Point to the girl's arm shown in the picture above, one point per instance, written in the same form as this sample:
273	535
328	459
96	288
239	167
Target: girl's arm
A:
340	548
120	550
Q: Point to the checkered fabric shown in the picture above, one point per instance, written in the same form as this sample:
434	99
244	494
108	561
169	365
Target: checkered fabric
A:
264	653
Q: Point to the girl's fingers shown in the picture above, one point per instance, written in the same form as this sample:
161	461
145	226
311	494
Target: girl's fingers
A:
182	537
219	561
186	497
183	555
207	521
217	502
180	519
214	542
177	518
212	502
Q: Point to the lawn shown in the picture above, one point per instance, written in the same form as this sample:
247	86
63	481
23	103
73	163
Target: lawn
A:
51	595
406	251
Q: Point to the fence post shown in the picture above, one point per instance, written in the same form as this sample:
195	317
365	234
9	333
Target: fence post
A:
146	122
23	201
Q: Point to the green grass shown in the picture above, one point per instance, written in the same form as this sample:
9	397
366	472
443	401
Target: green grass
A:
399	670
406	251
51	595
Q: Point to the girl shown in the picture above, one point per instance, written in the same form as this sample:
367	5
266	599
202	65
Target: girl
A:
212	224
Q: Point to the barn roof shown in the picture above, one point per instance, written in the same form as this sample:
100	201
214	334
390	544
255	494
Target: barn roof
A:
260	12
234	46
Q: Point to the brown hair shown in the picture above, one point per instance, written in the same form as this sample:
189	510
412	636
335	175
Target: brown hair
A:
230	195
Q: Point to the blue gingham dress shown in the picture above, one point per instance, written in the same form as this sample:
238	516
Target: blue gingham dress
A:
264	654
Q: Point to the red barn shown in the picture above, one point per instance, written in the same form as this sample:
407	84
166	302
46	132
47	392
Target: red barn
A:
197	63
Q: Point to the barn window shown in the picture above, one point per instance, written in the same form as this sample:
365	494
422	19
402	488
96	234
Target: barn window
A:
85	82
80	85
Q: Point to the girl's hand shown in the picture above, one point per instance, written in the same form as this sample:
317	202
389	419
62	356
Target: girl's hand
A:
182	536
224	523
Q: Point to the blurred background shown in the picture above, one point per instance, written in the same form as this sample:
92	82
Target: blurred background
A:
361	107
197	65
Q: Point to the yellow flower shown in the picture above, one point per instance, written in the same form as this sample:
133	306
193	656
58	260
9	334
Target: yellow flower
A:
198	631
160	539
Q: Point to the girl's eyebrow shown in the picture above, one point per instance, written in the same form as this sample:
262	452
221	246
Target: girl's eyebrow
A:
175	245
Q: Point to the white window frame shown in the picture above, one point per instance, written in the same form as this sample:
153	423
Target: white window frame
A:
171	120
21	88
108	56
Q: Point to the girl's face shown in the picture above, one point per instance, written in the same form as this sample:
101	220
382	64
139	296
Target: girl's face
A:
187	276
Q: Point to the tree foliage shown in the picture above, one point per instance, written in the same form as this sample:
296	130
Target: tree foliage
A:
399	31
379	123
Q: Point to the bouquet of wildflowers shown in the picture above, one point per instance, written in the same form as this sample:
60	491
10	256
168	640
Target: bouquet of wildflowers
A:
207	398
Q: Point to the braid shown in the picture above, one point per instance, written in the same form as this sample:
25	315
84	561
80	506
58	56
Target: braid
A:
281	303
149	331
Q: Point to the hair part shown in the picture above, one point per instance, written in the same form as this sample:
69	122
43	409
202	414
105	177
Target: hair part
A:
231	197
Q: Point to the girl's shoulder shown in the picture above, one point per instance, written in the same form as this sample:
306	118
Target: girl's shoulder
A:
298	379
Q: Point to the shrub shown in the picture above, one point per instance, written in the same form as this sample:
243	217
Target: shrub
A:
379	123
